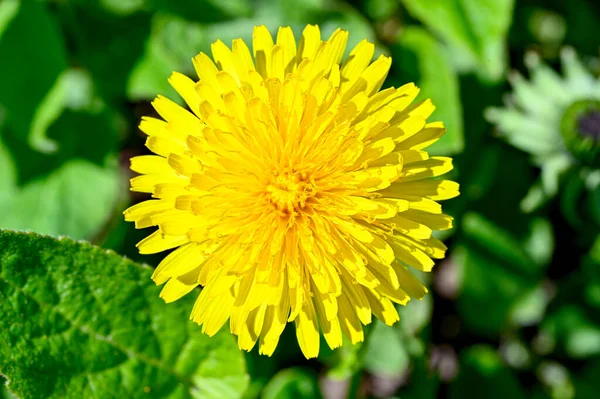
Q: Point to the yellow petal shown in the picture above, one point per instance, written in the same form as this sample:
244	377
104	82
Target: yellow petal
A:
382	307
224	59
242	59
431	220
262	43
158	242
309	43
286	40
435	166
206	69
431	189
349	321
185	87
359	59
149	164
307	330
171	112
179	286
181	261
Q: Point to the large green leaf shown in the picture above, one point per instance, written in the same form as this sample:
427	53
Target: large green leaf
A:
475	31
176	38
496	241
170	47
483	375
83	322
203	10
386	353
424	384
496	272
74	190
74	200
33	58
107	46
573	331
418	55
297	383
586	381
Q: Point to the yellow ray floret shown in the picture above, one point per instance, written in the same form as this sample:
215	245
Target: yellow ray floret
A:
293	190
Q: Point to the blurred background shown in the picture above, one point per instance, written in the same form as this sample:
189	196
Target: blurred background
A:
514	309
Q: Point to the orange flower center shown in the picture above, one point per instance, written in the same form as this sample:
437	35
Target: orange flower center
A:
289	191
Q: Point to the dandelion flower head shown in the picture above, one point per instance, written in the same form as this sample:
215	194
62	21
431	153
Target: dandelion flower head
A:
294	190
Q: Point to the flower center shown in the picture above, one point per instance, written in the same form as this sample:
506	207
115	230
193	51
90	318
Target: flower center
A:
589	124
289	191
580	129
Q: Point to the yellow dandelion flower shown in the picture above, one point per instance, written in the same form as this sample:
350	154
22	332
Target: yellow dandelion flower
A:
294	190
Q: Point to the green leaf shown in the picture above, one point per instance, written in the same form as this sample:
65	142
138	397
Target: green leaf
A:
122	7
172	44
297	383
500	276
529	309
424	384
415	315
482	375
8	175
108	46
497	242
203	10
586	380
570	199
539	245
35	47
75	200
573	331
176	38
8	10
84	322
475	31
386	354
488	290
438	81
72	192
4	392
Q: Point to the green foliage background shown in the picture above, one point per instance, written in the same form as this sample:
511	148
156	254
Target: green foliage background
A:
513	311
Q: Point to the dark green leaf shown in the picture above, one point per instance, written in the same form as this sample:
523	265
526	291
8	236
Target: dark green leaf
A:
107	46
74	200
71	192
122	7
475	31
530	307
586	382
540	243
488	290
203	10
172	44
415	315
33	58
573	331
386	354
293	383
84	322
175	39
423	383
482	375
4	392
496	241
437	80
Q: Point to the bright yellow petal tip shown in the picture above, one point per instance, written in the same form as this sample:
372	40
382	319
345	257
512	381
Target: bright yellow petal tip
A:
294	190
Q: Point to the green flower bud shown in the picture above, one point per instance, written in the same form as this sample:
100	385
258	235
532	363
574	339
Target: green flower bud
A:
580	128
